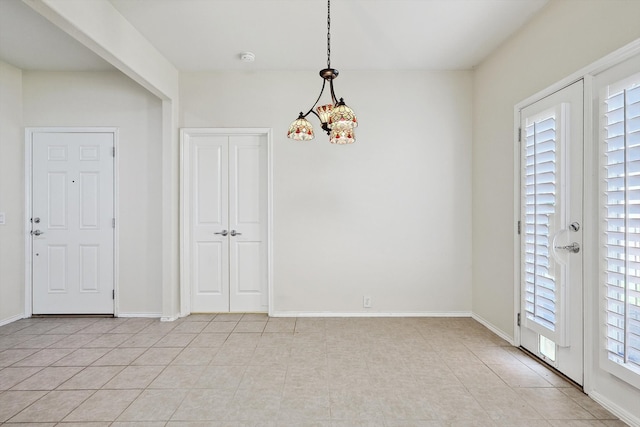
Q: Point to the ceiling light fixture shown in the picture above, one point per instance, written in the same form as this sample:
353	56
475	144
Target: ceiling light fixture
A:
337	119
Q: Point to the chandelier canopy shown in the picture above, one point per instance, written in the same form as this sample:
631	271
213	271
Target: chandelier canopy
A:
336	118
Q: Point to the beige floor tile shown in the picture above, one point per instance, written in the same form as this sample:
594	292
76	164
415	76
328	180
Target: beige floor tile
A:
11	356
253	406
160	328
104	405
354	405
108	341
12	376
589	404
82	357
304	408
74	341
227	356
190	327
209	340
519	375
477	375
53	407
280	325
12	402
178	377
174	339
44	357
138	424
246	326
220	377
552	404
47	379
204	405
154	405
243	339
194	356
119	357
502	403
254	317
142	340
91	378
220	327
134	377
40	341
228	317
132	326
157	356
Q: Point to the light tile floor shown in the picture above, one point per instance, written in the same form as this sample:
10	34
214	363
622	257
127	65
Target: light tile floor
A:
250	370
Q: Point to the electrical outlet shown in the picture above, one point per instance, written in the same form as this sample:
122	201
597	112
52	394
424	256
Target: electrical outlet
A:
366	302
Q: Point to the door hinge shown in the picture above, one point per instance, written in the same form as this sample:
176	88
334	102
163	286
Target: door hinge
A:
113	223
518	319
113	295
113	151
519	134
519	227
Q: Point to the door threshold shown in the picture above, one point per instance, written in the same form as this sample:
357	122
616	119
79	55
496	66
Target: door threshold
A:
551	367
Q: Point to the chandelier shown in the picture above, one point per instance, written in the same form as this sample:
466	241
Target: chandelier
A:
336	118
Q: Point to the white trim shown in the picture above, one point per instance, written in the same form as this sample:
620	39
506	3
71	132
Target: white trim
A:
370	314
169	318
12	319
28	168
615	409
150	315
484	322
590	234
185	236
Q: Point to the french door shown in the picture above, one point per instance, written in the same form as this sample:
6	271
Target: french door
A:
225	210
72	213
551	147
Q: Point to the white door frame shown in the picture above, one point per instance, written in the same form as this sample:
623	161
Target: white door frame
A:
185	202
590	234
28	169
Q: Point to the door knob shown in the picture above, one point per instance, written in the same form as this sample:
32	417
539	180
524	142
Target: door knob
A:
235	233
574	226
37	232
574	247
223	232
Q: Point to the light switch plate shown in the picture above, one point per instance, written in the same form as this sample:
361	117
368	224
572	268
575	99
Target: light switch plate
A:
2	218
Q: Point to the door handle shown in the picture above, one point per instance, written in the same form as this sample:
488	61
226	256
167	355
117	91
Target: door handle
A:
37	232
574	247
223	232
235	233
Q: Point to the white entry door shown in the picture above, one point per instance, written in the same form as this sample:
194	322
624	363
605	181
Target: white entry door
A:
551	230
225	182
72	200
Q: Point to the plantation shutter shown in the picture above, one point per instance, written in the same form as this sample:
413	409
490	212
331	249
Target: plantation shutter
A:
621	201
543	277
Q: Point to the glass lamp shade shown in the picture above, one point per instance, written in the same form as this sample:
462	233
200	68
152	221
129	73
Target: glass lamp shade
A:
324	111
300	130
342	136
342	117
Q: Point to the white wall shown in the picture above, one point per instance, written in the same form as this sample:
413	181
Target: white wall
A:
110	99
388	217
11	191
564	37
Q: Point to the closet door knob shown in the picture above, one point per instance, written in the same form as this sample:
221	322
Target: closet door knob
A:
235	233
223	232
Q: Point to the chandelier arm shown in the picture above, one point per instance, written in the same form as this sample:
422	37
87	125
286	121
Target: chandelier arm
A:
324	82
333	94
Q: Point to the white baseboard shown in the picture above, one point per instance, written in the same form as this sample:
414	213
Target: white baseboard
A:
168	318
370	314
616	410
502	334
11	319
151	315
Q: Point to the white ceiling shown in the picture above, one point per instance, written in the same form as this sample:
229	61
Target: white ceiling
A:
284	34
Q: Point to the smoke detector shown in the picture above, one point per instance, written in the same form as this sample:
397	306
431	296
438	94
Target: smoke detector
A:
247	57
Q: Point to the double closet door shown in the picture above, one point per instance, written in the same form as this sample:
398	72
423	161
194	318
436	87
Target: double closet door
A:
226	206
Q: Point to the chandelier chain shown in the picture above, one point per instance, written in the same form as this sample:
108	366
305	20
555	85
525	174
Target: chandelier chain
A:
328	33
